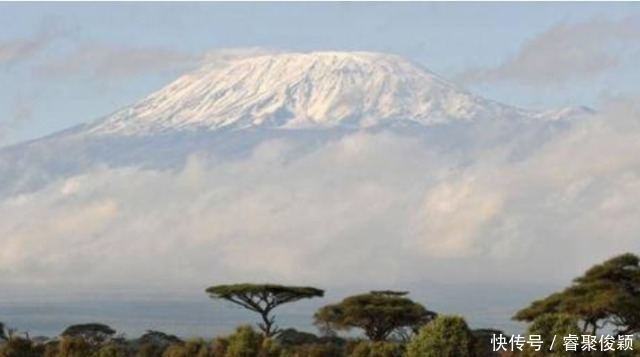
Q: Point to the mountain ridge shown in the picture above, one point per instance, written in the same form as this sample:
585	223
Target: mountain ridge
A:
305	90
259	101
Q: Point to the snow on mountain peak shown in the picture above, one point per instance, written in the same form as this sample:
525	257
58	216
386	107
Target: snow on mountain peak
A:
299	90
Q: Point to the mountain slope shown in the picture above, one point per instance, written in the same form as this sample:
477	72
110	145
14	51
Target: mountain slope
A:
304	99
296	90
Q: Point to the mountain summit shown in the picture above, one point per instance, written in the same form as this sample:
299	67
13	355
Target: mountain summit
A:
227	111
298	90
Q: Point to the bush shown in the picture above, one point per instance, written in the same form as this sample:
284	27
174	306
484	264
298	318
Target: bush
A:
193	348
20	347
548	326
112	350
377	349
74	347
446	336
482	342
150	349
220	345
293	337
313	350
245	342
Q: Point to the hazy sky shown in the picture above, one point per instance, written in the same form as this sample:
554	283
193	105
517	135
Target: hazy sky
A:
63	64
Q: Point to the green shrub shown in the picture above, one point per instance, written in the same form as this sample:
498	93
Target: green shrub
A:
377	349
245	342
446	336
313	350
149	349
193	348
74	347
548	326
112	350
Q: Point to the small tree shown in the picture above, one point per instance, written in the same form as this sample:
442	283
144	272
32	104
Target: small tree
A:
378	313
263	298
445	336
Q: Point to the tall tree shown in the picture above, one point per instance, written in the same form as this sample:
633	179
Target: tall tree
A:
607	294
378	314
263	298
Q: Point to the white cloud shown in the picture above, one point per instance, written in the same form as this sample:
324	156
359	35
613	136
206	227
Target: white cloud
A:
375	209
456	212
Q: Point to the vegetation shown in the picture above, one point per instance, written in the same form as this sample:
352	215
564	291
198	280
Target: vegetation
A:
378	314
377	349
263	298
605	296
93	333
445	336
549	325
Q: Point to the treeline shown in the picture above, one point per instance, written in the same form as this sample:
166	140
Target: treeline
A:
449	334
604	302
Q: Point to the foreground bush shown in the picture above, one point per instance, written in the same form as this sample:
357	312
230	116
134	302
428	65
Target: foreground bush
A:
245	342
73	347
445	336
20	347
377	349
112	350
193	348
313	350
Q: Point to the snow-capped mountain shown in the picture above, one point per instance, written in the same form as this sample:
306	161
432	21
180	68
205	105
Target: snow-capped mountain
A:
308	98
298	90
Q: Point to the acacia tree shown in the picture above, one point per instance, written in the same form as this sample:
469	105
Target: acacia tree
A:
93	333
378	314
263	298
607	294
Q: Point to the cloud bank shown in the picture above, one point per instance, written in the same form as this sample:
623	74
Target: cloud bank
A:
376	209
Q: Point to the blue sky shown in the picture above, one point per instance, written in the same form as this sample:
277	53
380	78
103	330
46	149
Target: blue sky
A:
67	63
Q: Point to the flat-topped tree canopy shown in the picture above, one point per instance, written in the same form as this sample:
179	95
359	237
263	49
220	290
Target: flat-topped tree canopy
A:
389	292
379	313
263	298
94	333
606	294
88	328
